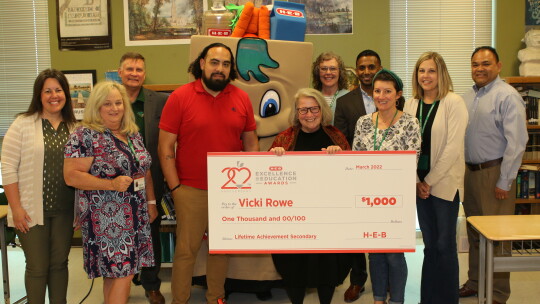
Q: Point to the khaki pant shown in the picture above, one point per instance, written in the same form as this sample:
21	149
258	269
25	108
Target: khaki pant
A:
480	200
191	205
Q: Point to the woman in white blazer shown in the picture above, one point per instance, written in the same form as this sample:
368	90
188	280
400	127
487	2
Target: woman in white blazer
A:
441	167
41	205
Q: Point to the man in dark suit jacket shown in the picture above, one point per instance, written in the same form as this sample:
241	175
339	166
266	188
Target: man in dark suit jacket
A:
359	101
147	106
349	108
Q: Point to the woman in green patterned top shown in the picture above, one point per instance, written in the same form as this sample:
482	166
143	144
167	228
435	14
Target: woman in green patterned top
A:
41	205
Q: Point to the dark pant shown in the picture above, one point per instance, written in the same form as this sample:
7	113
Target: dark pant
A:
440	270
297	294
358	269
46	250
150	275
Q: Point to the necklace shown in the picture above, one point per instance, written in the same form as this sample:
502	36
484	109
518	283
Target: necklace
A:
375	146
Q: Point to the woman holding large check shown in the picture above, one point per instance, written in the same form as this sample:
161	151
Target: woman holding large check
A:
388	129
441	167
311	131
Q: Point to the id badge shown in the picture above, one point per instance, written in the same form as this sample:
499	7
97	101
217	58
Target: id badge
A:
423	162
138	182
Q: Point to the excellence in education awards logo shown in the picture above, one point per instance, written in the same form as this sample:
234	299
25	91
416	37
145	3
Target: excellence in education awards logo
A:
238	177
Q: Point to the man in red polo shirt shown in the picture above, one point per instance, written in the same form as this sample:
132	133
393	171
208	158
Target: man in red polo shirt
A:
206	115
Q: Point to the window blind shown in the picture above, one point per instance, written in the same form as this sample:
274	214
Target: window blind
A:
24	52
453	28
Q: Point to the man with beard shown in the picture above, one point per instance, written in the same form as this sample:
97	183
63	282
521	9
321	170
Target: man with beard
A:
495	140
206	115
349	108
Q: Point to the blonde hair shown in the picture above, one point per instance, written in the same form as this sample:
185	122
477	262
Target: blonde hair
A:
326	112
444	81
92	118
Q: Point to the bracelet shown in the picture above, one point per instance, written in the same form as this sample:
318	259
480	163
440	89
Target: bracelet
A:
152	202
177	186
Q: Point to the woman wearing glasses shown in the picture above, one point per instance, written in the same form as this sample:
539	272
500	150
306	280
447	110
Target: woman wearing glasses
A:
443	119
311	131
388	129
330	78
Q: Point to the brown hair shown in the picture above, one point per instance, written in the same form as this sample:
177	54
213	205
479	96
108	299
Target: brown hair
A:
37	107
317	84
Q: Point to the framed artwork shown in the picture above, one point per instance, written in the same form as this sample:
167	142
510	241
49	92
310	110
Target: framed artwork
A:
158	22
84	24
352	78
328	17
81	83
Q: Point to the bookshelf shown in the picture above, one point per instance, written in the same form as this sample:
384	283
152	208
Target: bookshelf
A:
167	231
529	88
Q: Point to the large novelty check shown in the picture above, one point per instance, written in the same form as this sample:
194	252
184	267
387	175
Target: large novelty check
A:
312	202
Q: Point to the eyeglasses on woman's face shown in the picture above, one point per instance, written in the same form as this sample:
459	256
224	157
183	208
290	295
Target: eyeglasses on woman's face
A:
313	110
326	69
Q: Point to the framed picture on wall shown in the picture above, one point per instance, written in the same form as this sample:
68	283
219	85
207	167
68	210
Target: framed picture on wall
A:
81	83
330	17
84	24
175	22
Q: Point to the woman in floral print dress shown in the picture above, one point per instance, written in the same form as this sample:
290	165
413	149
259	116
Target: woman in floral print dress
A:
105	159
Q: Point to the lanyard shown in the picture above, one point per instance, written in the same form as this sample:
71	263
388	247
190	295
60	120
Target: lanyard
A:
375	147
334	99
421	119
130	144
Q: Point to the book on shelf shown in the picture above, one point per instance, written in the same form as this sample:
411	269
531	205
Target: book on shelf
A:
532	93
167	246
532	184
533	167
524	184
167	205
530	98
532	149
528	182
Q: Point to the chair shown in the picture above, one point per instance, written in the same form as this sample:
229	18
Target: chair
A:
10	232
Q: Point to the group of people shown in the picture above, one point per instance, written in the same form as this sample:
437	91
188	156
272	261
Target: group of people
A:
101	176
469	150
133	144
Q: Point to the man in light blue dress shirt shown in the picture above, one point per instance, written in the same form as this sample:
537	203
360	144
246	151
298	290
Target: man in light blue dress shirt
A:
494	144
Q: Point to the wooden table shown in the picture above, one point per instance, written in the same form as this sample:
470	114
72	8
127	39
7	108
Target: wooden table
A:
514	228
3	245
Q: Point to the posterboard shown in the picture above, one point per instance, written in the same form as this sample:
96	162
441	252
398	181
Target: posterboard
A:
312	202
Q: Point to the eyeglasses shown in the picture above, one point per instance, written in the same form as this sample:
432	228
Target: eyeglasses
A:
313	110
331	69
